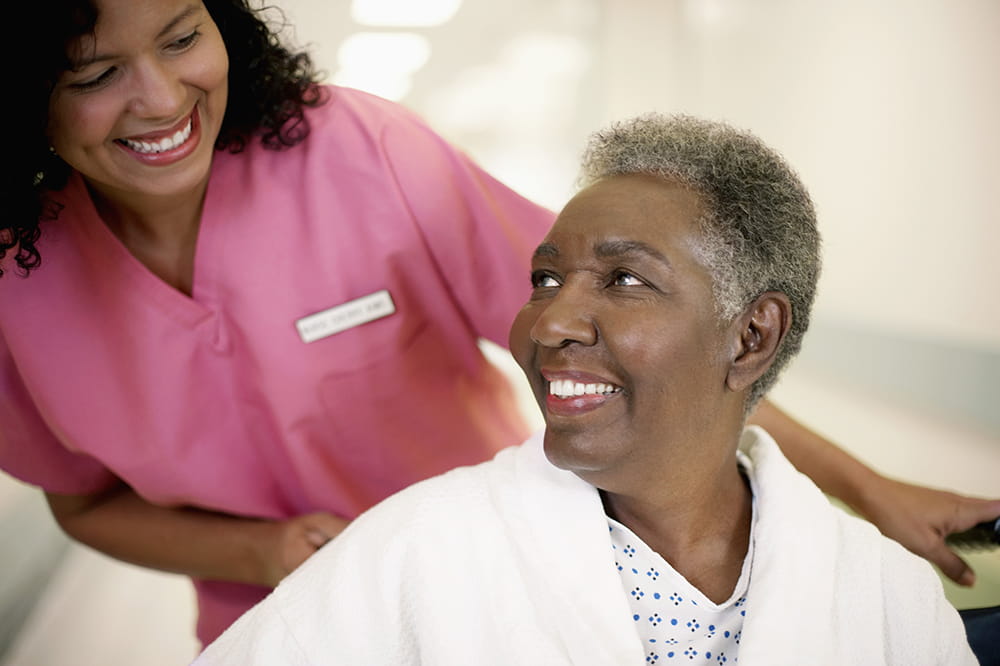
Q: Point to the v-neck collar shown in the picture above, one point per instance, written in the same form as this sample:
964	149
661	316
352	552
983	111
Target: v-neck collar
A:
109	255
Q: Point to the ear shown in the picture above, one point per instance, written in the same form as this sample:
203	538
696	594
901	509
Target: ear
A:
758	334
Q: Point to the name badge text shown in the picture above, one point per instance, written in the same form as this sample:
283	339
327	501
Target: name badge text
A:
344	316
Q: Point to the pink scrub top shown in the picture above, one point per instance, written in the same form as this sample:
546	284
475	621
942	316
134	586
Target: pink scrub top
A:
215	400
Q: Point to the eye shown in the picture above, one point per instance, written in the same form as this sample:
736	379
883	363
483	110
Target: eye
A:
543	280
626	279
96	82
184	43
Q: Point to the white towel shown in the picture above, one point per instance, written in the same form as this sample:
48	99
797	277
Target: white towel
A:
877	602
510	563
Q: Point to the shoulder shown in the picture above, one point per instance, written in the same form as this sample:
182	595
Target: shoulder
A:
409	542
882	595
63	247
405	521
464	495
905	579
461	506
919	623
350	131
362	105
347	112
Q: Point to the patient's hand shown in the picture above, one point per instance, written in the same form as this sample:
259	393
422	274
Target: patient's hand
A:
294	540
920	518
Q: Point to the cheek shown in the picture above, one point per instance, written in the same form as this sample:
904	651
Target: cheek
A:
78	122
519	342
641	342
669	352
214	66
217	76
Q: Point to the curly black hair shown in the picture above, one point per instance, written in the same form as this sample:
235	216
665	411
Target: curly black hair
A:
269	88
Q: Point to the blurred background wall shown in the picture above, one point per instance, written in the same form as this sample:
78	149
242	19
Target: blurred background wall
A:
887	109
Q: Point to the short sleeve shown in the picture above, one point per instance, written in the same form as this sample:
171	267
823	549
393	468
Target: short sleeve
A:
30	451
479	232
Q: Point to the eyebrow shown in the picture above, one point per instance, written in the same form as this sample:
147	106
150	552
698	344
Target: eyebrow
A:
610	249
546	250
624	248
186	13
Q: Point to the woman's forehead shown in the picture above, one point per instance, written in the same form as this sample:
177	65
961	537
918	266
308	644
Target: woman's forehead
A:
625	212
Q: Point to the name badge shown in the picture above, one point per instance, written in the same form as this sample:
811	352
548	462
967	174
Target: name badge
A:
347	315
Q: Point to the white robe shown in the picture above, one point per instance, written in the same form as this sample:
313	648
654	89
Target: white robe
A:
510	563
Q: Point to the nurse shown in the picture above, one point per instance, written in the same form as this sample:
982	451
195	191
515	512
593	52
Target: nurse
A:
254	301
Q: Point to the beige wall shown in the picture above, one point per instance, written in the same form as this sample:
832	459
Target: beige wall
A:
889	111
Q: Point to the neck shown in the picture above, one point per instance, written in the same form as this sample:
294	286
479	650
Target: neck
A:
161	232
702	528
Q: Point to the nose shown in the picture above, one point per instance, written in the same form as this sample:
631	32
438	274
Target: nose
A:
156	91
567	318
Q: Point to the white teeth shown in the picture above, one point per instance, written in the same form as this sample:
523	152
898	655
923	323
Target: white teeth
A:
167	143
565	388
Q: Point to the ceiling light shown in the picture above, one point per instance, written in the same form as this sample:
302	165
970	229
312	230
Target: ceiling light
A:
400	13
381	63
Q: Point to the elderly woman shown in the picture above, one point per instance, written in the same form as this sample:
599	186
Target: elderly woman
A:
646	521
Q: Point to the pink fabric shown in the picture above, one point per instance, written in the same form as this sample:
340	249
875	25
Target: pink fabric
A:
214	400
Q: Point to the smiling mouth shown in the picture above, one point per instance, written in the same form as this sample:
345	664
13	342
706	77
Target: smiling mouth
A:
567	388
166	143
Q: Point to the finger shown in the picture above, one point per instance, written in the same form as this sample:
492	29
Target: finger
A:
328	524
317	538
978	512
953	566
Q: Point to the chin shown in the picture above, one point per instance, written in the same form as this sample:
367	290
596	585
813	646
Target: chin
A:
577	452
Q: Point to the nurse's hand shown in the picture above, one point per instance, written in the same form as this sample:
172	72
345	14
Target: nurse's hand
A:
298	538
920	518
916	516
195	542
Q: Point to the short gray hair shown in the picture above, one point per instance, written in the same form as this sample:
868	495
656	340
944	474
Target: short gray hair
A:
759	232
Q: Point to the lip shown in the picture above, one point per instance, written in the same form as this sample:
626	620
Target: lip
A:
577	405
581	376
173	155
159	134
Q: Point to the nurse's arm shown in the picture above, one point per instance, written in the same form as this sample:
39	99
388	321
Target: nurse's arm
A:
917	517
201	544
